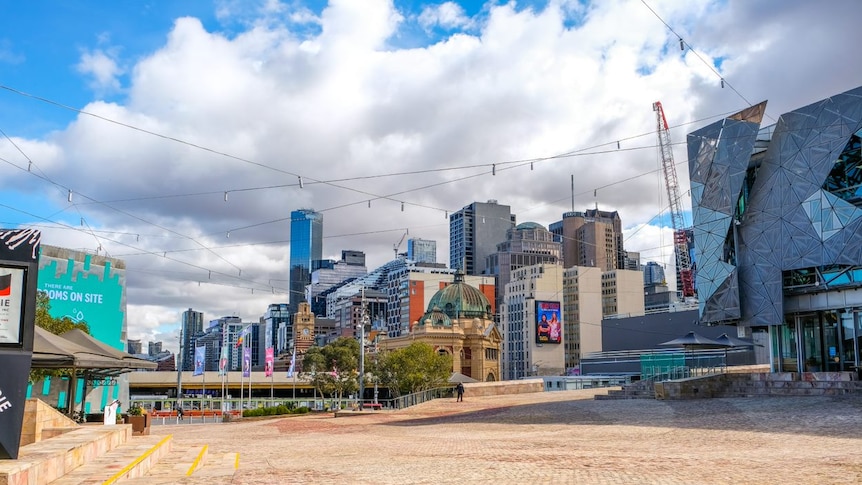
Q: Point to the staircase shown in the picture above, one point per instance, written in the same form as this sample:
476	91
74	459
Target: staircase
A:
644	389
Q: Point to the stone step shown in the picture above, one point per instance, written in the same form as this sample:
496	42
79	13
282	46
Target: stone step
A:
177	465
53	458
131	459
220	467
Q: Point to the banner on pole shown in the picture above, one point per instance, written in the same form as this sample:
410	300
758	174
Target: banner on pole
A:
292	364
200	358
246	362
222	362
270	359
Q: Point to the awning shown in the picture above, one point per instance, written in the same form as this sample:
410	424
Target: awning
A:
124	361
694	340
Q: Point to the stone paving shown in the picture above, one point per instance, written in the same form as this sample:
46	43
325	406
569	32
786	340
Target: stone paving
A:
555	437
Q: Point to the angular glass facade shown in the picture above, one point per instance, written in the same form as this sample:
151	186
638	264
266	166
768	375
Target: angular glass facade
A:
777	224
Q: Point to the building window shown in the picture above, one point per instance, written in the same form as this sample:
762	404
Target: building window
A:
845	179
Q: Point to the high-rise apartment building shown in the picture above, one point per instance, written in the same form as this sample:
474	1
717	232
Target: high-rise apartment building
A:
422	250
193	324
591	238
622	293
306	247
474	233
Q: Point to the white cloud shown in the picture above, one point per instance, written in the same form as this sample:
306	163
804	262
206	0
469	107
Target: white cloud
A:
103	69
448	15
375	122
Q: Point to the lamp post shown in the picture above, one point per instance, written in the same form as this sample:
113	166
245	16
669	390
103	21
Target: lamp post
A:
180	368
362	320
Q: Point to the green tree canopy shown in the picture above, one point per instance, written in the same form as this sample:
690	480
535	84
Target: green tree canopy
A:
333	368
415	368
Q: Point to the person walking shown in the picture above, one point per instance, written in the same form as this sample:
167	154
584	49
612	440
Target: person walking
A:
459	389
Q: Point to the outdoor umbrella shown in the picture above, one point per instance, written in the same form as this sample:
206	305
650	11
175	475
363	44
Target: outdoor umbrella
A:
693	340
735	341
459	377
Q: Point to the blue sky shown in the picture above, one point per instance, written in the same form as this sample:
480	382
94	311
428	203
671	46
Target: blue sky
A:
376	105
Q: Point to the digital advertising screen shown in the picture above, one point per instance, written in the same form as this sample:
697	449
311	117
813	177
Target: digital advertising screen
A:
549	323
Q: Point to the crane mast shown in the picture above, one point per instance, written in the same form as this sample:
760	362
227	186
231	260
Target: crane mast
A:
683	260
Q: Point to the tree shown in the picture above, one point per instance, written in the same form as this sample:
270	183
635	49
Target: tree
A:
417	367
57	326
334	368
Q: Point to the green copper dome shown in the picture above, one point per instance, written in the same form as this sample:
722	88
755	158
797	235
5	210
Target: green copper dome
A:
458	300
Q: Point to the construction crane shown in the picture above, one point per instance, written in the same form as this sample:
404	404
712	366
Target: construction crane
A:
396	247
680	232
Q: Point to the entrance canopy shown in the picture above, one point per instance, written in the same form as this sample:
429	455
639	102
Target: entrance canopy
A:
59	352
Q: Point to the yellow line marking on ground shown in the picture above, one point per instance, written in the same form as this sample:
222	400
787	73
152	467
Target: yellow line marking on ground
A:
139	459
197	461
236	463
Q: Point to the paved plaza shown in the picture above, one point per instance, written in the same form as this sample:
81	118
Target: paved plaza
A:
552	437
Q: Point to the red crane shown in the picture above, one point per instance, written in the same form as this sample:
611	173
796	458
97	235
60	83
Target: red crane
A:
680	232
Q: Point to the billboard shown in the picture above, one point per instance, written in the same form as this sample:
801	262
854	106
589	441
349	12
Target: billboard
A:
11	303
86	287
549	324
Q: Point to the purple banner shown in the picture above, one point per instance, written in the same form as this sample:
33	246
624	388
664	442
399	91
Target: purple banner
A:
246	362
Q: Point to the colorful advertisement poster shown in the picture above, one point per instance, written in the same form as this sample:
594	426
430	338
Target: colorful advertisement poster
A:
200	358
11	295
246	362
86	288
549	324
270	359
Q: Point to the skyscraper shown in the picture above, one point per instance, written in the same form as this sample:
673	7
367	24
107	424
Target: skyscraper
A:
193	324
474	233
306	246
592	238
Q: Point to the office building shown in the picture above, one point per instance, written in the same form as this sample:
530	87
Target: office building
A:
777	217
192	324
582	313
532	323
653	274
422	250
333	273
474	233
592	238
134	347
306	247
528	244
154	348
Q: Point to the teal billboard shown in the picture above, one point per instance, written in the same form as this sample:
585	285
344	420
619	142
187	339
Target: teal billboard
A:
86	287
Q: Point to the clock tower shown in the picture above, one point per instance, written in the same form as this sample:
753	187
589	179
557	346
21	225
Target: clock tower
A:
303	328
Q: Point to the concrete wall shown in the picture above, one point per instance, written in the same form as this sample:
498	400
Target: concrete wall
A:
501	388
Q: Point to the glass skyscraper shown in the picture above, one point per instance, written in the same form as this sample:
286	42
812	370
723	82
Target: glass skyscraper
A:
306	246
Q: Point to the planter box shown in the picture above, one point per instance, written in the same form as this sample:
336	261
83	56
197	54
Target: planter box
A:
140	424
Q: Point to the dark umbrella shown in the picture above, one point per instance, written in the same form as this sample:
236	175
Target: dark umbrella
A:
735	341
693	340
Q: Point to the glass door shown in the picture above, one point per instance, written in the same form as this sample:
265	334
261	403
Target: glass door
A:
812	354
849	343
832	358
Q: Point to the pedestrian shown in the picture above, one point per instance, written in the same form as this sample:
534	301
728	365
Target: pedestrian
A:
179	412
460	390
